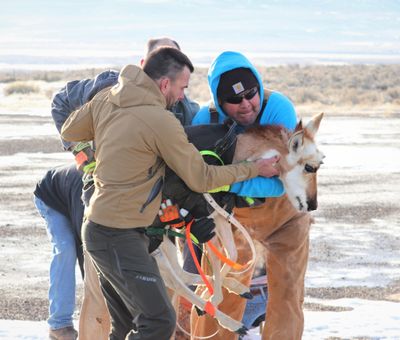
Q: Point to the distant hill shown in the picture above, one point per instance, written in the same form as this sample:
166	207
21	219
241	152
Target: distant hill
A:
355	88
37	62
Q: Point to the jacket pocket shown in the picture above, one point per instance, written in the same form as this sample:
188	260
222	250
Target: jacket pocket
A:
155	190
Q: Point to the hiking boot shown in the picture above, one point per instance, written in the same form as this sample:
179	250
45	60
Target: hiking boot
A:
65	333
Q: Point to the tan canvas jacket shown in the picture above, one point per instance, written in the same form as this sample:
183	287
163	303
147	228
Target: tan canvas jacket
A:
135	136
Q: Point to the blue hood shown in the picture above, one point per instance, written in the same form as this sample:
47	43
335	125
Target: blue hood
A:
227	61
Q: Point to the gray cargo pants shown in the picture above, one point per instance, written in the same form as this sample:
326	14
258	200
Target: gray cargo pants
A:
131	283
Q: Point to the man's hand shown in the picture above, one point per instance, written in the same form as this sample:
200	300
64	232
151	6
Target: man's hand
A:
268	167
203	229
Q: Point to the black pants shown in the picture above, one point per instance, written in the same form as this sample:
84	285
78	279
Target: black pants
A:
131	283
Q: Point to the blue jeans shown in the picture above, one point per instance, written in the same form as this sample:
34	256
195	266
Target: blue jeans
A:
256	307
62	266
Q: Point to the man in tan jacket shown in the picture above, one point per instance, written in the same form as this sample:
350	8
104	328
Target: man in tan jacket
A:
135	137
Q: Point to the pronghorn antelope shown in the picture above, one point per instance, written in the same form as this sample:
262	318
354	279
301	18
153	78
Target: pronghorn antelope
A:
299	161
298	164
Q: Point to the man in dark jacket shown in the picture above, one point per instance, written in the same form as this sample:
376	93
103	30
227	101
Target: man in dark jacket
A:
57	198
78	92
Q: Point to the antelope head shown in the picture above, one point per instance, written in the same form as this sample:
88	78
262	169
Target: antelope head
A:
303	160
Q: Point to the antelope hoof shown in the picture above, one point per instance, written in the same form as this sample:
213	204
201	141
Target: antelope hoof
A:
199	311
242	331
247	295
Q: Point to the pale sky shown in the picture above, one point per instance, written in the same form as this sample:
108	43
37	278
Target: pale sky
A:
119	28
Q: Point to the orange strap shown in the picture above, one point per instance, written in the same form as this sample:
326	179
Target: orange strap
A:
223	258
196	262
209	308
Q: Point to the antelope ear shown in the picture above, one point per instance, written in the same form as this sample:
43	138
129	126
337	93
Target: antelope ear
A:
296	141
313	125
299	126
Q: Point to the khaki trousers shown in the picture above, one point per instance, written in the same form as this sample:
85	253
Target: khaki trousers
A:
94	319
285	234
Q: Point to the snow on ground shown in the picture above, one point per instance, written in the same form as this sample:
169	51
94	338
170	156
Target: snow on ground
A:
355	240
370	319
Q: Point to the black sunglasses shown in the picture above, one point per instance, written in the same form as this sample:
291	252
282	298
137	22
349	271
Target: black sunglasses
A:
249	94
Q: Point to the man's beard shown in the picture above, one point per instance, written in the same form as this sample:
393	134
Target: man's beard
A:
170	104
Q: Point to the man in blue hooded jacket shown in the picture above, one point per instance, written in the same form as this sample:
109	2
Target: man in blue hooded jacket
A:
238	94
263	107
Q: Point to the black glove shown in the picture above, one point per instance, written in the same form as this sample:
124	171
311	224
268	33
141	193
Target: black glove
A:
203	229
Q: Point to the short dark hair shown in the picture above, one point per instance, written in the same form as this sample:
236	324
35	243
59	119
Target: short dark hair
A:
153	43
166	62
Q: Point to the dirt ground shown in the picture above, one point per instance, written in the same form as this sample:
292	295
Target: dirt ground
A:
25	249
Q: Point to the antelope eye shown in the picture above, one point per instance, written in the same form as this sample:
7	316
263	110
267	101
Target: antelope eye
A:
309	168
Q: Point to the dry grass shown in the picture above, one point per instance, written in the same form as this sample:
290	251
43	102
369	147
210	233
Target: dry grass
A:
332	89
344	88
20	87
328	88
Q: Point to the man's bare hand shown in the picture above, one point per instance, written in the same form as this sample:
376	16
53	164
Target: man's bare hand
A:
268	167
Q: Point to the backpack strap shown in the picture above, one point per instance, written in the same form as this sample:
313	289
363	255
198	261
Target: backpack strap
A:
213	114
267	93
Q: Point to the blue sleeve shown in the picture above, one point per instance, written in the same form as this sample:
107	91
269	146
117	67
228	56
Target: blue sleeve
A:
259	187
279	111
202	116
77	93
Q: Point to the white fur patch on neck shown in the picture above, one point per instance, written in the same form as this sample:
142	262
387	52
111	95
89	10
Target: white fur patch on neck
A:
269	154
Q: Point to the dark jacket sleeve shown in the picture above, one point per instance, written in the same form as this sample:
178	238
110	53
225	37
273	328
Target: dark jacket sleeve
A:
77	93
185	110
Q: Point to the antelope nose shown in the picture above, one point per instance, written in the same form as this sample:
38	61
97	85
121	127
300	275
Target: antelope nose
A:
312	204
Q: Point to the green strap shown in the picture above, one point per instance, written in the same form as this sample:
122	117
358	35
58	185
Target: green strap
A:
89	167
80	146
250	201
161	231
151	231
214	154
